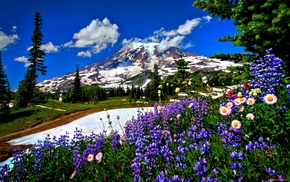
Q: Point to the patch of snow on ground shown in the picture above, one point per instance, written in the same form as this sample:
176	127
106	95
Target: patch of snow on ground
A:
88	124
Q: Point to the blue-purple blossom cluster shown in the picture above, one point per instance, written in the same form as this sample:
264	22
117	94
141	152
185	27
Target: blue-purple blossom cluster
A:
42	151
267	73
94	147
4	172
261	144
164	139
274	174
230	137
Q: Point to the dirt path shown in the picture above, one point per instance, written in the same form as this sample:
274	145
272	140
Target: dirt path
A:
6	149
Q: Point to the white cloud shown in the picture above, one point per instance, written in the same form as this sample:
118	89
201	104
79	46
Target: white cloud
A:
165	39
189	25
68	44
170	42
207	18
97	36
50	48
23	59
85	54
5	40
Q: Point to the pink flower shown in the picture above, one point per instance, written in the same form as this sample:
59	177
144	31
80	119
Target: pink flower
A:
237	101
270	99
242	100
250	101
250	116
242	108
90	157
229	105
225	111
99	157
236	124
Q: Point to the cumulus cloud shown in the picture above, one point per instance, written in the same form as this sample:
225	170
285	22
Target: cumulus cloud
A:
165	39
168	42
85	54
49	48
97	36
24	60
5	39
189	25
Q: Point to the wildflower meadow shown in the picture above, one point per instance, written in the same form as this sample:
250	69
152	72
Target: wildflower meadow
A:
243	136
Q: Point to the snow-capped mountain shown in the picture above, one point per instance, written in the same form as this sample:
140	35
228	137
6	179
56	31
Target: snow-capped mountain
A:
127	63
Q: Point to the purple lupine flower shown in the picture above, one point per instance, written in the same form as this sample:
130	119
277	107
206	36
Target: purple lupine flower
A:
200	167
215	171
115	140
4	172
271	171
237	155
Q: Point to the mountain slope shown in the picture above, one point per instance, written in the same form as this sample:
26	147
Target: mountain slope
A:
128	63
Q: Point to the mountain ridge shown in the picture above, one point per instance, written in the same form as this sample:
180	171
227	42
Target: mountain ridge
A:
129	62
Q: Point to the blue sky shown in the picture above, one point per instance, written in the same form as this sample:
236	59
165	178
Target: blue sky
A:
87	31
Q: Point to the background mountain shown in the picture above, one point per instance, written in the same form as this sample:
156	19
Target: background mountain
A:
133	66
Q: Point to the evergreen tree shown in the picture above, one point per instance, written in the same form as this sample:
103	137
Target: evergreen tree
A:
4	90
147	91
36	54
24	93
182	68
28	85
77	91
154	84
260	24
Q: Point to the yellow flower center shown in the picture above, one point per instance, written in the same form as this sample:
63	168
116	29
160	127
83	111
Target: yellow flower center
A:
270	98
224	110
235	124
250	101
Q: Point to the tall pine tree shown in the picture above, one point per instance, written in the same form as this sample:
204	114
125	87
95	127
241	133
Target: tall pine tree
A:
77	91
27	91
36	54
4	90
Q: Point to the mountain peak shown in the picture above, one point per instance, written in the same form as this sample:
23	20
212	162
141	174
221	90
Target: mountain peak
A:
128	63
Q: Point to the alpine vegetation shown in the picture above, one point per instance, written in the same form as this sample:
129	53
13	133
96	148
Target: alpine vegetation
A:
243	136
